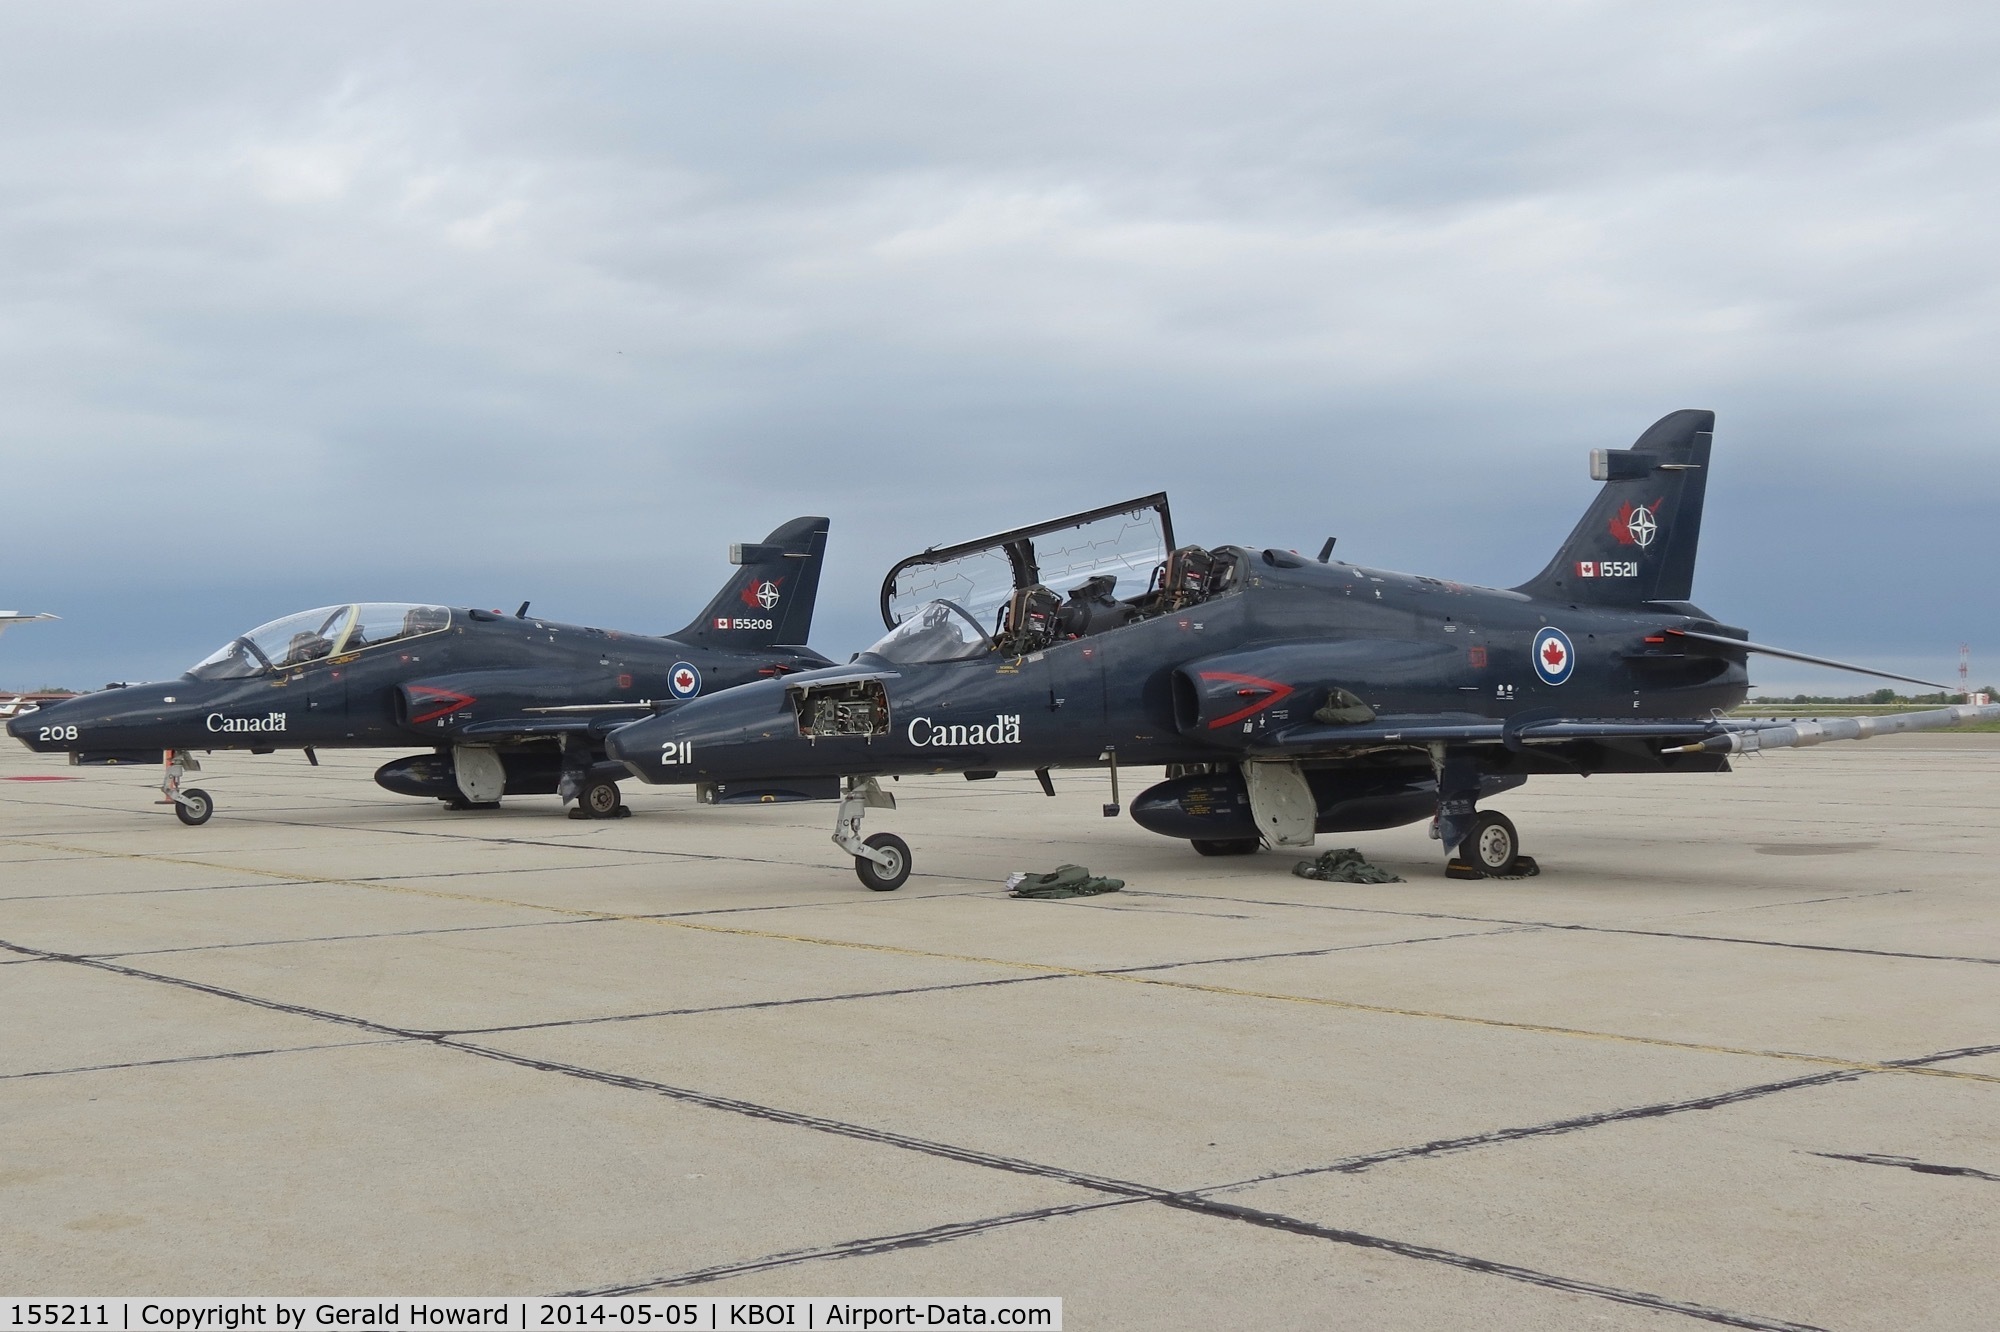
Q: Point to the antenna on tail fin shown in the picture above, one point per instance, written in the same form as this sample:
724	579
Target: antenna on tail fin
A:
1636	543
769	600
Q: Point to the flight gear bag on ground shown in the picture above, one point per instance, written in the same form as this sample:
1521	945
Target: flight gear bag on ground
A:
1345	865
1063	881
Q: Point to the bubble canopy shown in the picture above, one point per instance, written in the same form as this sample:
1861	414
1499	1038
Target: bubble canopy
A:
309	636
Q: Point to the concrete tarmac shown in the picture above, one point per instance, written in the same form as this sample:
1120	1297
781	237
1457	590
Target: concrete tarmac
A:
1733	1059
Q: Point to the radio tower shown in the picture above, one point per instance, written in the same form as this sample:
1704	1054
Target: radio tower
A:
1965	669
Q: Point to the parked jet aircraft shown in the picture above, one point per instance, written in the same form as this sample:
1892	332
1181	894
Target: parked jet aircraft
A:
509	704
1285	696
8	619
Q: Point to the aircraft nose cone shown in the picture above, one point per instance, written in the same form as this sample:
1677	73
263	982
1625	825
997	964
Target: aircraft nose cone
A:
642	744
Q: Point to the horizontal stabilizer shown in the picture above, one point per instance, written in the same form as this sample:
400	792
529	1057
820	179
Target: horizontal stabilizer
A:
1741	646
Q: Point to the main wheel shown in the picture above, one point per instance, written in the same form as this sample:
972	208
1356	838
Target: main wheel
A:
1492	845
599	799
194	807
1225	846
884	878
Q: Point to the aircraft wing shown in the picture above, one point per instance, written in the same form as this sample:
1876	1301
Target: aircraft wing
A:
10	618
587	721
1697	735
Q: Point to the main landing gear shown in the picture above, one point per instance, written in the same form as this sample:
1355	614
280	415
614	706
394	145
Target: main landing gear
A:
596	793
1484	842
882	861
192	806
599	798
1491	848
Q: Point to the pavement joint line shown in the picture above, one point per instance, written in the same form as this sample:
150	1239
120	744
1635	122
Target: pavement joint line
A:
742	1007
1191	1201
341	938
893	993
642	851
1603	929
199	1059
1057	969
31	839
1486	1266
860	1248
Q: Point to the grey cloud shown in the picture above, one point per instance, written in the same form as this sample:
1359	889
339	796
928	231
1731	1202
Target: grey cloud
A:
485	301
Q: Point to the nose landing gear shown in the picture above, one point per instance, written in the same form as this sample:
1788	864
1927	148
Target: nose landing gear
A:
881	862
192	806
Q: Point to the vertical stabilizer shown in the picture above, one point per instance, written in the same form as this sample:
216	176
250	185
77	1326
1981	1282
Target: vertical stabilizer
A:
1637	541
770	597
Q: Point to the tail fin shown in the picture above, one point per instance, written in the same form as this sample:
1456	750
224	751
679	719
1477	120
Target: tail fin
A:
1637	542
770	598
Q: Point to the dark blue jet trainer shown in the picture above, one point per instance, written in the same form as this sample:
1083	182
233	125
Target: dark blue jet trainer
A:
508	704
1284	696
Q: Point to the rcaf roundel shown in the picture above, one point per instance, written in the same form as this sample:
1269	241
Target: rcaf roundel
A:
683	681
1554	657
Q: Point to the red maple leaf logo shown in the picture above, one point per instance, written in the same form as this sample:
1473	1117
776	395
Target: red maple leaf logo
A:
1552	653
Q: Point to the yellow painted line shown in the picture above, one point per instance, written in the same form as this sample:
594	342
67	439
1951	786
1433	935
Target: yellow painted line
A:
1047	968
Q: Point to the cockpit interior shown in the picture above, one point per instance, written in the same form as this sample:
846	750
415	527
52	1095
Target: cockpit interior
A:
998	594
309	636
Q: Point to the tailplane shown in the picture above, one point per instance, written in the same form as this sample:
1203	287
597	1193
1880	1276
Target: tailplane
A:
1637	541
769	600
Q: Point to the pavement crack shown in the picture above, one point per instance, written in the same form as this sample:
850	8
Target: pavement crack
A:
1910	1163
1184	1200
859	1248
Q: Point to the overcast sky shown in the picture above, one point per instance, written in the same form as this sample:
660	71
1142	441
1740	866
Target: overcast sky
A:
477	303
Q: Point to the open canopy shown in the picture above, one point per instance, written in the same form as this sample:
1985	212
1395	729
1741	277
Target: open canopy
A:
329	631
1123	541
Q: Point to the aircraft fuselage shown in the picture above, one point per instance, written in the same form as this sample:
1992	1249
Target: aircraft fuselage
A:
1226	680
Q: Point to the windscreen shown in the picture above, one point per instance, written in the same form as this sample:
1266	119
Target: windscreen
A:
1126	542
937	632
327	631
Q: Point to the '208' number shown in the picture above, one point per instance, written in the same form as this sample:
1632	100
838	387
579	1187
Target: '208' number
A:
58	733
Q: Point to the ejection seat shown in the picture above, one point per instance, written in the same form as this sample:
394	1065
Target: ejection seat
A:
306	647
1029	621
1184	578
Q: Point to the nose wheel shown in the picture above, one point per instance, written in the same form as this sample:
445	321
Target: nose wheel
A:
881	862
887	874
192	806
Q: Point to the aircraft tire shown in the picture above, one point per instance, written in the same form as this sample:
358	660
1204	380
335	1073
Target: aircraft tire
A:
1493	846
1225	846
600	800
884	878
194	807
